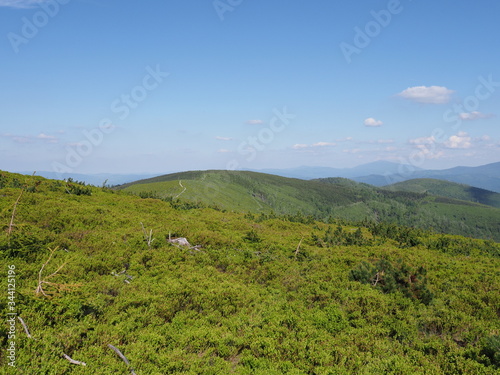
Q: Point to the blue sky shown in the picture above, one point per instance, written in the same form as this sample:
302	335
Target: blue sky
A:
91	86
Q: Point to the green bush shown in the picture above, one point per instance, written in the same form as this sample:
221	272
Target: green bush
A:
389	278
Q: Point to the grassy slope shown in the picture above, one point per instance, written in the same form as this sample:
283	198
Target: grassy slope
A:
448	189
334	197
237	305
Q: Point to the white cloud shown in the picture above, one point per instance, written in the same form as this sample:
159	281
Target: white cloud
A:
254	122
21	4
223	151
300	146
485	138
223	138
370	121
474	115
423	141
48	138
430	154
461	140
352	151
30	138
323	144
383	141
427	94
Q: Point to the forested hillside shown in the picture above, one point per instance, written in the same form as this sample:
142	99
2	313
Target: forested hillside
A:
448	189
125	284
336	198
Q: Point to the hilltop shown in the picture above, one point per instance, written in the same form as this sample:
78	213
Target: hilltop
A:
244	191
448	189
382	173
96	269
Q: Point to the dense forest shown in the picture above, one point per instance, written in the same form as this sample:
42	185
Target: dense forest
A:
106	282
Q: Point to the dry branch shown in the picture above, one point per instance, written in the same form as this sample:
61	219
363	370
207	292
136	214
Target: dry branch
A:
298	248
11	225
25	327
120	354
42	281
73	361
148	238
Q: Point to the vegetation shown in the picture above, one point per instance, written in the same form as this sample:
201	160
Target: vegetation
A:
448	189
252	293
336	198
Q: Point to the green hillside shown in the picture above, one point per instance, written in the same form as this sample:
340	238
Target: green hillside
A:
339	198
448	189
92	272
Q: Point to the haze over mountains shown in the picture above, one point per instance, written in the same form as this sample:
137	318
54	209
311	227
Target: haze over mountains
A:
382	173
379	173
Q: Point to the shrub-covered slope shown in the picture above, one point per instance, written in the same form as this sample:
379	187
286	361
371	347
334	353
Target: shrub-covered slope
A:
252	294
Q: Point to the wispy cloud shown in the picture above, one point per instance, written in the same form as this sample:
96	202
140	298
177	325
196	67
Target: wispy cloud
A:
427	94
42	137
219	138
351	150
324	144
21	4
422	141
301	146
48	138
370	121
254	122
470	116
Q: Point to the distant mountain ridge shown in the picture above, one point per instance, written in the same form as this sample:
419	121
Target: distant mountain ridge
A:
382	173
378	173
380	167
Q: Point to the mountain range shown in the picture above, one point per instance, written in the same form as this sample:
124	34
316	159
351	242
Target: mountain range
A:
378	173
382	173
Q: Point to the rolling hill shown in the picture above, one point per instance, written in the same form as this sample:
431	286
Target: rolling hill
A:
382	173
448	189
243	191
484	176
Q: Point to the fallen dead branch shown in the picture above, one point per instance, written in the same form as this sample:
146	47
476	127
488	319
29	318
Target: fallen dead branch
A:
43	280
120	354
298	248
11	225
71	360
25	327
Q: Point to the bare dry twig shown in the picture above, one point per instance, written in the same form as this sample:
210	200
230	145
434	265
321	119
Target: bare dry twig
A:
298	248
120	354
42	281
73	361
148	238
25	327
